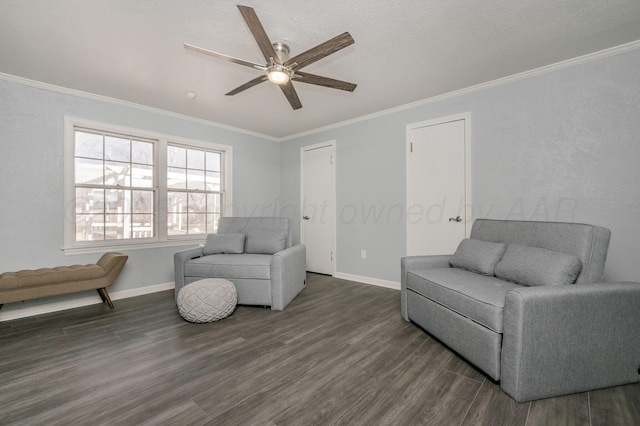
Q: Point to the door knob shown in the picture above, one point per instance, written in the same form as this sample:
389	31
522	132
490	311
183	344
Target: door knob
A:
305	217
455	219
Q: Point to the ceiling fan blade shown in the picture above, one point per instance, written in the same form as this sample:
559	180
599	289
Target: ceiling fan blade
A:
304	77
259	34
247	85
225	57
320	51
291	95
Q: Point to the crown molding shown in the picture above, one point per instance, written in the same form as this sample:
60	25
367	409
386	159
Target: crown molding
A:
114	101
590	57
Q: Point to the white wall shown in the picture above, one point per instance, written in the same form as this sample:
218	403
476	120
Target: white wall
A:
31	177
563	145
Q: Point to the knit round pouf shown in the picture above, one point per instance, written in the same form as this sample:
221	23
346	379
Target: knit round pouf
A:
207	300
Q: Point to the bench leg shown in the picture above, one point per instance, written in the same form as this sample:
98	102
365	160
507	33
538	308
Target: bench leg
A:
105	296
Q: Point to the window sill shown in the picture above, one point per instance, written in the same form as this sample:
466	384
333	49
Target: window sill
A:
71	251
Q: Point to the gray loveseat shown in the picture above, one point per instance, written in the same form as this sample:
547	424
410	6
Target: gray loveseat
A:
524	301
255	254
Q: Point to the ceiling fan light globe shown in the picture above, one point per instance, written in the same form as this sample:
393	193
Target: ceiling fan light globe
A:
278	77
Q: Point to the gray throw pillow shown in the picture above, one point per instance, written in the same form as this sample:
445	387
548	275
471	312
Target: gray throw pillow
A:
478	256
535	266
262	242
224	243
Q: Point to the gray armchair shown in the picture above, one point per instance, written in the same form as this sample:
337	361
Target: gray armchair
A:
255	254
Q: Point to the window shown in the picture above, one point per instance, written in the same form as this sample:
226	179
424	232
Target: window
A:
114	186
131	188
194	190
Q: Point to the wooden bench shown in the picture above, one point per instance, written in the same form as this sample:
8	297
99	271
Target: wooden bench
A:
45	282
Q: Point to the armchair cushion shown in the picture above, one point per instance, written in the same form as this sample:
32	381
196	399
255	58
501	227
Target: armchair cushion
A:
535	266
224	243
478	256
240	266
263	242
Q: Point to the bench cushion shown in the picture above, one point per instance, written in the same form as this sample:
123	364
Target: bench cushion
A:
477	297
240	266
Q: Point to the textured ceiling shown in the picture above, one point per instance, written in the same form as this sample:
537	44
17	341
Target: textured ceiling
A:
404	51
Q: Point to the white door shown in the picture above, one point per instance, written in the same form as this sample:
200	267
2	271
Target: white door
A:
438	193
318	207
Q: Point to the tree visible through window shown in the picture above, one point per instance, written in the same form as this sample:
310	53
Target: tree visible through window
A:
194	190
114	187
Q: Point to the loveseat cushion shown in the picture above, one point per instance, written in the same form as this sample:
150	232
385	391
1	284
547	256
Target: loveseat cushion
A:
535	266
263	242
240	266
477	297
224	243
478	256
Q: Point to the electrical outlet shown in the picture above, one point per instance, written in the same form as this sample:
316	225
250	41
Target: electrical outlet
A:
363	254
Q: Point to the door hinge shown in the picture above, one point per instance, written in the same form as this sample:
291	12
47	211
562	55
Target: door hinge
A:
332	256
331	158
411	148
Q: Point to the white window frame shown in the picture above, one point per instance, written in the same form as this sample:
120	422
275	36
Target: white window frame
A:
161	140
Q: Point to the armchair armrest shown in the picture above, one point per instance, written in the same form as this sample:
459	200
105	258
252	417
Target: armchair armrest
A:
572	338
408	263
288	275
179	259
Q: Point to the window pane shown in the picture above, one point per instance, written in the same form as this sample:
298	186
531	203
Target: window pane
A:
213	161
176	202
213	203
89	227
213	181
118	226
118	201
176	224
176	178
142	152
88	145
176	156
142	201
195	159
197	202
89	200
142	226
88	171
117	149
195	179
197	223
212	222
142	176
117	174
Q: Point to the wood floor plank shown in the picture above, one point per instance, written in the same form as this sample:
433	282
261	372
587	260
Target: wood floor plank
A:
616	406
492	406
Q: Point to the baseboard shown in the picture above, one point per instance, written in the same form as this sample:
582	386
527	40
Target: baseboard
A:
46	308
368	280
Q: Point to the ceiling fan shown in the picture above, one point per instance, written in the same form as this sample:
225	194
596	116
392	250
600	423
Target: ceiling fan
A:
280	69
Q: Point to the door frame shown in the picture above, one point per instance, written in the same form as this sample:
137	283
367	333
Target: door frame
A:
468	213
333	231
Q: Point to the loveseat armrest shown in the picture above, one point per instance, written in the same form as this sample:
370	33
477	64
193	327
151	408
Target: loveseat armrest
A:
179	260
409	263
572	338
288	275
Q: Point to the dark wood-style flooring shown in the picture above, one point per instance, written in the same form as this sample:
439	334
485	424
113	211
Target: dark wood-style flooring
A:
338	355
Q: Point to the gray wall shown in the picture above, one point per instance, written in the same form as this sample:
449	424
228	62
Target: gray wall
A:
31	177
564	145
